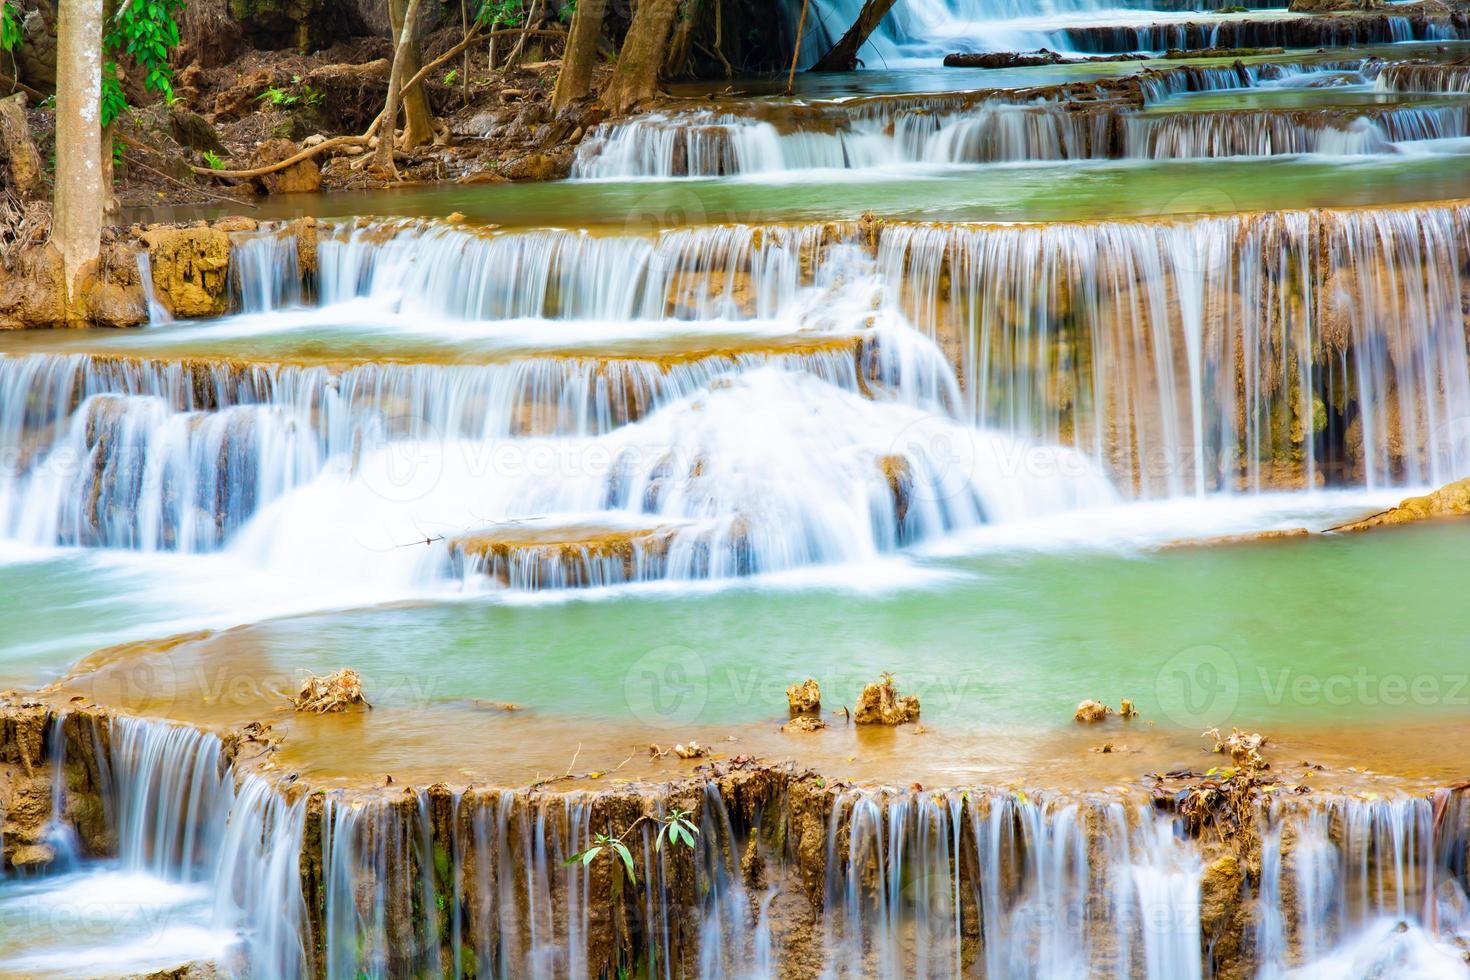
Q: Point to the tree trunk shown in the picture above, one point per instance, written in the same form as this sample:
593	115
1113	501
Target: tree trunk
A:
418	118
636	76
76	229
575	79
843	56
19	150
383	161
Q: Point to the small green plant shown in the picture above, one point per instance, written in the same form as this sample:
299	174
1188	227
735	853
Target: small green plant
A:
10	35
678	828
451	76
278	97
566	10
675	827
212	160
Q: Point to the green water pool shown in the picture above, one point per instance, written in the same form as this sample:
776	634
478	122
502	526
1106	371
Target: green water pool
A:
1310	632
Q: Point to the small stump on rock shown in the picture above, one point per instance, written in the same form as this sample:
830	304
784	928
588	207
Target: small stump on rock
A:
335	692
881	704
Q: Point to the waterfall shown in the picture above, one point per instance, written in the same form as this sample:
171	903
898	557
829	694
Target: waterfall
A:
927	131
953	374
264	270
922	31
1414	77
205	867
854	882
60	835
1148	321
157	312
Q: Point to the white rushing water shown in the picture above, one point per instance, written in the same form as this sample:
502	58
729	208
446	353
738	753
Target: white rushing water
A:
923	133
204	867
758	399
211	866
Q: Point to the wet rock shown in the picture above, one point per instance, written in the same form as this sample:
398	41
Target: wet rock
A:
32	293
1331	6
881	704
304	231
1244	748
334	692
1219	893
110	290
691	750
299	178
1126	709
537	166
1091	712
32	857
1450	500
804	724
899	475
190	267
804	698
1003	59
236	222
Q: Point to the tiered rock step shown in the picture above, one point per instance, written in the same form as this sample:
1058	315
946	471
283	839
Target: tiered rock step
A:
534	556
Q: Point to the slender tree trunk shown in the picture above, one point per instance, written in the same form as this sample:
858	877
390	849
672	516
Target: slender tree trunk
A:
796	48
636	76
843	56
575	79
383	161
76	229
418	118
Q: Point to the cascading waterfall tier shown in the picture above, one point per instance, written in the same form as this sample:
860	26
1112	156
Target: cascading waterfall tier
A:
923	32
1210	353
204	860
1314	32
276	461
1416	77
786	875
1077	121
950	362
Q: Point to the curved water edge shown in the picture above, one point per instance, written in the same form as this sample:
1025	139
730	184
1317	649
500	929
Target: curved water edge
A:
787	875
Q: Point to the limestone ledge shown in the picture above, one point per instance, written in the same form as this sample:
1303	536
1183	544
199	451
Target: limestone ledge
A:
189	265
778	828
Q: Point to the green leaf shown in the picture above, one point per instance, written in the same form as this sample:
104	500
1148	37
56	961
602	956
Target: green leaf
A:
627	856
